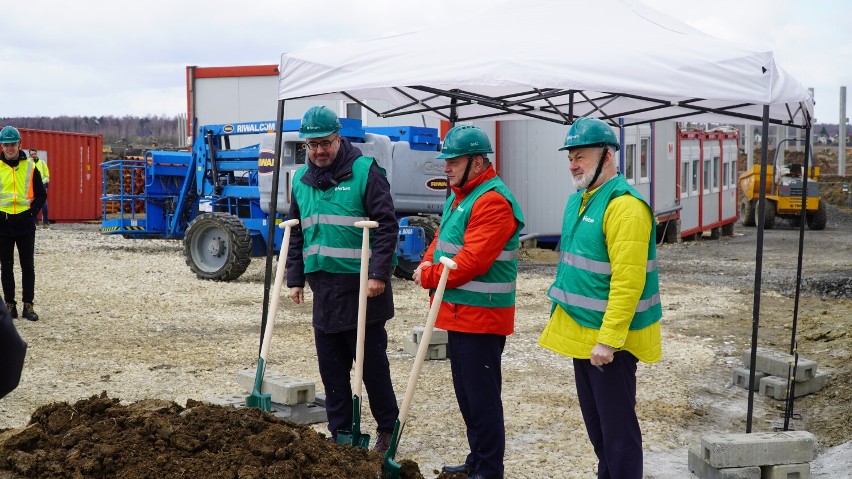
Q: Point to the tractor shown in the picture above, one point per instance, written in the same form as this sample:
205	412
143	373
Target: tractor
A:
783	195
217	199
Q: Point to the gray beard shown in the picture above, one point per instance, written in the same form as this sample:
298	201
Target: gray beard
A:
583	182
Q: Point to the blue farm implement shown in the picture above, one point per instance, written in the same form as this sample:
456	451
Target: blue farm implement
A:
216	199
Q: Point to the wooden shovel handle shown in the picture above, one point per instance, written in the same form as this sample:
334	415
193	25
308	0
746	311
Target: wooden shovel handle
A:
425	339
276	289
362	302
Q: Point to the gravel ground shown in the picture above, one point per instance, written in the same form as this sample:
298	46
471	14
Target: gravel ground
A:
129	318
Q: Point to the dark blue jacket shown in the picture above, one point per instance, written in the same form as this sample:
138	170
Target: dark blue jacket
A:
336	295
12	352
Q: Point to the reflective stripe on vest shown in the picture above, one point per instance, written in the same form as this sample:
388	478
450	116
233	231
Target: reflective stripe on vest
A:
596	266
597	304
16	187
337	220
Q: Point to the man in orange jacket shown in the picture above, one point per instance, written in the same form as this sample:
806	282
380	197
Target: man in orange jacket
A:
480	230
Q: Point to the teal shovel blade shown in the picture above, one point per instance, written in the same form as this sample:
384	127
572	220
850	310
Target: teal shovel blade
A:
354	437
391	469
256	399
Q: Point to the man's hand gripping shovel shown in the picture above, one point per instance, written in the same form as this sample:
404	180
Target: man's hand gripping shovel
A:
391	469
256	399
353	436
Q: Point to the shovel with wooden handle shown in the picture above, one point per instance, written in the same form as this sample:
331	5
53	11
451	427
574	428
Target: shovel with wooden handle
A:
391	469
353	436
256	398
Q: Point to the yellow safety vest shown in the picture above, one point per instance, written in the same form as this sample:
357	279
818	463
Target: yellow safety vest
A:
16	187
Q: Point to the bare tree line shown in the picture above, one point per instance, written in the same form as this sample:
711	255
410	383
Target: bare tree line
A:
126	131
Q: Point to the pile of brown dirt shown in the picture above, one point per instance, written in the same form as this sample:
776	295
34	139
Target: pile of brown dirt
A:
99	437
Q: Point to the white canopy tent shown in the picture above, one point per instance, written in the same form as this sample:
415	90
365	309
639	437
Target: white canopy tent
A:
557	60
554	60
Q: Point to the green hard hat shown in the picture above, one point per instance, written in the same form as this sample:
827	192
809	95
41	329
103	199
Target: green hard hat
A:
318	121
589	132
9	134
464	140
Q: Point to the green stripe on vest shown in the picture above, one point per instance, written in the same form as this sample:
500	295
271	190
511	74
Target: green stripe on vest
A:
495	288
583	276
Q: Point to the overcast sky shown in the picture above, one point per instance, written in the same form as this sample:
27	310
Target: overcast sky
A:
119	57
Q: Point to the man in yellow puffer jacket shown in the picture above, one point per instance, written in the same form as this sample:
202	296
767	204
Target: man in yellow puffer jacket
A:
606	301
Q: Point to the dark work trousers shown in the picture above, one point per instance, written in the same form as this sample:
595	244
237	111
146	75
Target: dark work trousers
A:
607	399
336	355
477	379
26	250
43	211
13	349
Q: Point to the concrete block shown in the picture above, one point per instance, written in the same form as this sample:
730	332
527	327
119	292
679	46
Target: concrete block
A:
786	471
702	469
230	400
776	387
751	472
696	464
298	413
726	450
435	351
285	390
439	336
775	363
741	376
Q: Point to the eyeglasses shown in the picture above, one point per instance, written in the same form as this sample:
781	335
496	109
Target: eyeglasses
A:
325	144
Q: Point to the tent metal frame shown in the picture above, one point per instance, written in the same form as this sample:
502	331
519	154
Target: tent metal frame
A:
577	104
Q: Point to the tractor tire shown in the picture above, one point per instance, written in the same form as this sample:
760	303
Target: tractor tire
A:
818	219
405	269
769	215
747	209
217	246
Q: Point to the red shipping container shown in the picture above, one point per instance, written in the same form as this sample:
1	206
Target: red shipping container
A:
75	161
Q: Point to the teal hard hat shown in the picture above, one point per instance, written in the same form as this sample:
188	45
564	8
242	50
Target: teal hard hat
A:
589	132
318	121
9	134
465	140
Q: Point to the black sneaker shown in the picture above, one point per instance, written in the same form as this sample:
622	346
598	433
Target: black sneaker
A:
28	313
460	469
13	309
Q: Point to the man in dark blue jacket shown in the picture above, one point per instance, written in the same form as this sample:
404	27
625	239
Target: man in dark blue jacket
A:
336	188
12	352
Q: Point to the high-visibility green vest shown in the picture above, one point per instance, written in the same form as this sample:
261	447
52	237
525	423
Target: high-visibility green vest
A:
332	242
43	170
16	187
584	272
495	288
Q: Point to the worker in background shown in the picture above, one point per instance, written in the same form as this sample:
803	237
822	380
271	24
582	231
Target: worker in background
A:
336	188
13	349
479	230
22	195
606	300
41	165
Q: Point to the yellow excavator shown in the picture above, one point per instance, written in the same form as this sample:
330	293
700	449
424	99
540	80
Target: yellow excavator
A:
783	195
